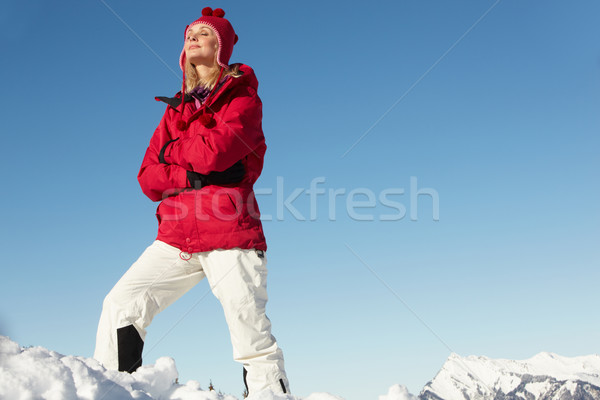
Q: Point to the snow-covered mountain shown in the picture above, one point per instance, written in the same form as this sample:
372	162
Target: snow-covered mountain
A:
545	376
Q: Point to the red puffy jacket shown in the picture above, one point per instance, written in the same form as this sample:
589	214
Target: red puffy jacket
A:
213	217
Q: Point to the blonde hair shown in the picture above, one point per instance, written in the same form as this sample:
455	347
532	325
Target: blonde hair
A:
192	80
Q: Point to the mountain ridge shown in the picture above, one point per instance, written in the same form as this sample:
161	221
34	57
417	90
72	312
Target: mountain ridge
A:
545	376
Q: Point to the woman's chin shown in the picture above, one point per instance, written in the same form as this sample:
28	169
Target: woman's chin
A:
199	59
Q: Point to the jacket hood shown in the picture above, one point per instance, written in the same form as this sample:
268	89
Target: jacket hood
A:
248	77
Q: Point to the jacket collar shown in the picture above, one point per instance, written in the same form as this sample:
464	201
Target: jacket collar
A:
175	101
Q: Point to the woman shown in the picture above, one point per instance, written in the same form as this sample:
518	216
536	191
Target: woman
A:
201	164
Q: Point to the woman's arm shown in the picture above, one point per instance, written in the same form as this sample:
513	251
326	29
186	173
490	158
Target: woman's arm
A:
156	179
238	132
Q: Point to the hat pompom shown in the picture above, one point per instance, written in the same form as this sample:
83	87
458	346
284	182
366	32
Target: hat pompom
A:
218	13
207	12
181	125
206	119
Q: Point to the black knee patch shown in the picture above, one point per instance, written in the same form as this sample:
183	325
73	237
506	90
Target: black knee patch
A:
130	346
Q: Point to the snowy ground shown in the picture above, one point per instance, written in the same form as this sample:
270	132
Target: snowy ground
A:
38	373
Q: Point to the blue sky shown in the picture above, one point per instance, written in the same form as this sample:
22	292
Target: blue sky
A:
495	117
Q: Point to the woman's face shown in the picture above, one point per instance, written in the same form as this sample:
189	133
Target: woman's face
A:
201	45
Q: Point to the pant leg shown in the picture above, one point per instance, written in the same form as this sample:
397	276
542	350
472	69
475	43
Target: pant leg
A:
154	281
238	278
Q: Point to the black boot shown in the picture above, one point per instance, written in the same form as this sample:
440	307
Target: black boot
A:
246	384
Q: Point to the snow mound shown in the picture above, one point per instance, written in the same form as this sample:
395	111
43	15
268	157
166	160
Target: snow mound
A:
38	373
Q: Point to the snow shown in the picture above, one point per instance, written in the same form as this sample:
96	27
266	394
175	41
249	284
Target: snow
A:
38	373
537	388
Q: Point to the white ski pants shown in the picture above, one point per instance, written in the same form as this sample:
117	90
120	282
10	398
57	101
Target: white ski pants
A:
162	274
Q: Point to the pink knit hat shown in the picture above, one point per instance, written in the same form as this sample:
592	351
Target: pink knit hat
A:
225	34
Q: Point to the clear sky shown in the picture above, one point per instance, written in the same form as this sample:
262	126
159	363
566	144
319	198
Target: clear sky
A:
456	143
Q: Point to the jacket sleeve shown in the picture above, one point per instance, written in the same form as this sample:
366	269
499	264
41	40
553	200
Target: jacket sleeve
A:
160	180
237	133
